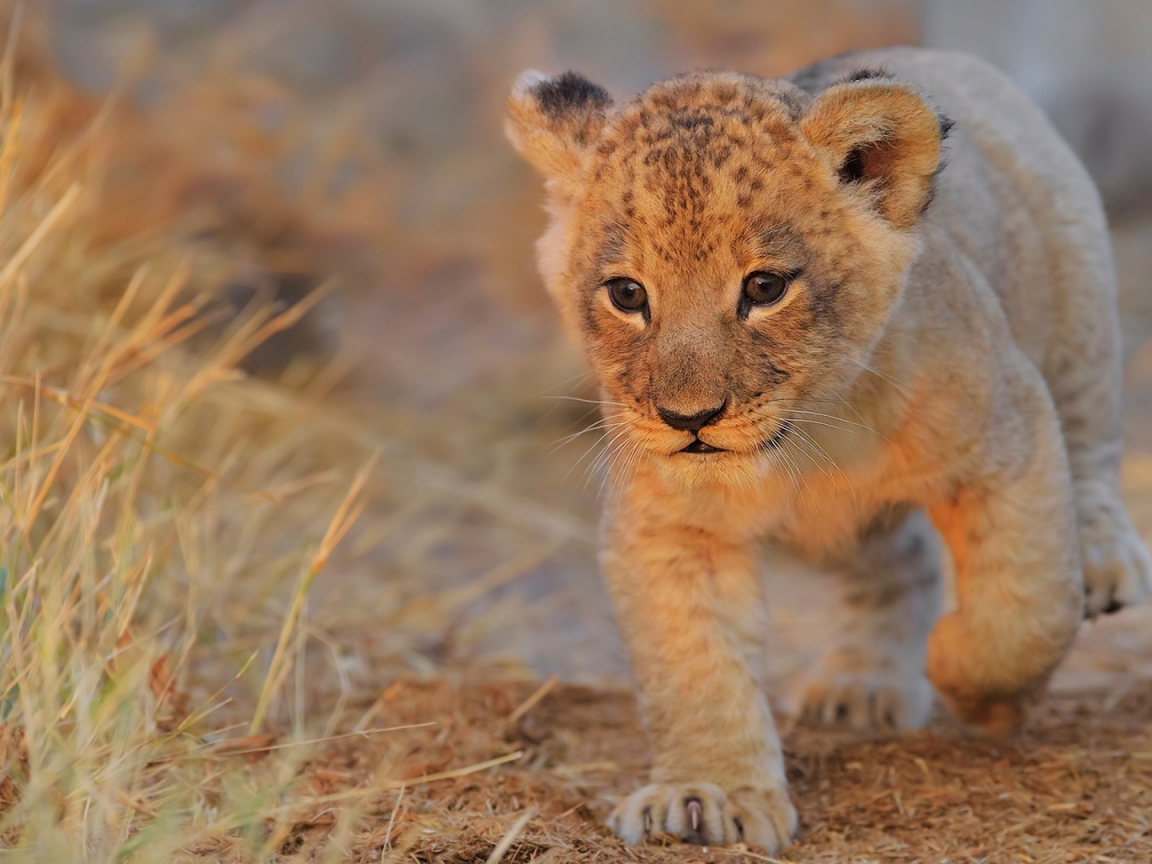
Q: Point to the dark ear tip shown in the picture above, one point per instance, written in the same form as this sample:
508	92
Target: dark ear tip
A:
562	94
569	92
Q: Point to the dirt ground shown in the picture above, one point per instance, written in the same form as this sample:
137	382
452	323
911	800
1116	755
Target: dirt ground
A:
1076	787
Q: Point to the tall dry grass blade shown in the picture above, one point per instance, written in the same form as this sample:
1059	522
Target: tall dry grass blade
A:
26	250
345	516
8	154
63	397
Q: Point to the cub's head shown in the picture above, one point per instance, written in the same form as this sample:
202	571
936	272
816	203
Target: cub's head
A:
727	249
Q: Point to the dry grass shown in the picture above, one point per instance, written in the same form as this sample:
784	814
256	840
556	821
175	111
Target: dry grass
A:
162	521
252	621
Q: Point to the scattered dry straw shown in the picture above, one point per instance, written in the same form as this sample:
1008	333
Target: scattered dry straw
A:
1077	787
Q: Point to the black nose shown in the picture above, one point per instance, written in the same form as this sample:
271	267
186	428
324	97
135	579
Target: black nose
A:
690	422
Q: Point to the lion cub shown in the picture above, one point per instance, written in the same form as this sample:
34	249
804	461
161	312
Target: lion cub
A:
835	310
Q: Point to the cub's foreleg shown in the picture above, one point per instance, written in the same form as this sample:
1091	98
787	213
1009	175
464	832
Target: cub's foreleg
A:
1011	527
689	606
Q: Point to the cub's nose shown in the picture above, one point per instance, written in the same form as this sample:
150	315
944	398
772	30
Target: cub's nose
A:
690	422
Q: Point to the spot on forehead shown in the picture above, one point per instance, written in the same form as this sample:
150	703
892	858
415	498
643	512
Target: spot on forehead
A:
661	154
692	121
614	239
774	239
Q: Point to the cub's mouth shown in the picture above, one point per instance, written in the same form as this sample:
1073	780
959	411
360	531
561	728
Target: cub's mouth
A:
698	446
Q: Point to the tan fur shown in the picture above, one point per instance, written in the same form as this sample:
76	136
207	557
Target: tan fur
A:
956	356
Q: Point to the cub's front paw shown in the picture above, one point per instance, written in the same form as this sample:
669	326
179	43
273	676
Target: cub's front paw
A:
993	698
703	813
1117	566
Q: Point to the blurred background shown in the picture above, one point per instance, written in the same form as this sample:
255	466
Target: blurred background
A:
359	143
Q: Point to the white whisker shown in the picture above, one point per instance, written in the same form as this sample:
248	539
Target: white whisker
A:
601	424
586	401
594	445
615	465
899	387
815	452
812	442
602	458
835	417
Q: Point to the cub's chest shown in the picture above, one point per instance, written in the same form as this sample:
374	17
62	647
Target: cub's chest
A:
834	500
824	516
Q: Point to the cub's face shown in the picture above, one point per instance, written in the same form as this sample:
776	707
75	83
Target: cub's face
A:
727	249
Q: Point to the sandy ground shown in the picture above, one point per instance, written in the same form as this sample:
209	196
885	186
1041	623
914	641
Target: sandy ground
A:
1076	787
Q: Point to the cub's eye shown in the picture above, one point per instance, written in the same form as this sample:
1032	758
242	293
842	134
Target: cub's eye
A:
627	295
763	289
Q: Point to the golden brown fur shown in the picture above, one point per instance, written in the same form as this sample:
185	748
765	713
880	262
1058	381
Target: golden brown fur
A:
946	344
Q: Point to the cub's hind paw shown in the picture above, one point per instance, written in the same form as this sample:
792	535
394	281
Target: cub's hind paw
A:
703	813
882	699
1117	566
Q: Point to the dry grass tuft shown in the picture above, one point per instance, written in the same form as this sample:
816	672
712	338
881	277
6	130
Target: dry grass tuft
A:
154	504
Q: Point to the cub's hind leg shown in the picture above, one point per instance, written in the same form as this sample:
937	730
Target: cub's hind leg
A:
1086	392
1117	566
872	675
1084	376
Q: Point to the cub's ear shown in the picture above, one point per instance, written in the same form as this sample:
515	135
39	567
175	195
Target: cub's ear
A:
552	121
883	136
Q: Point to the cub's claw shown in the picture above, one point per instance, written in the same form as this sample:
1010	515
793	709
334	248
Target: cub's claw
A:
703	813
